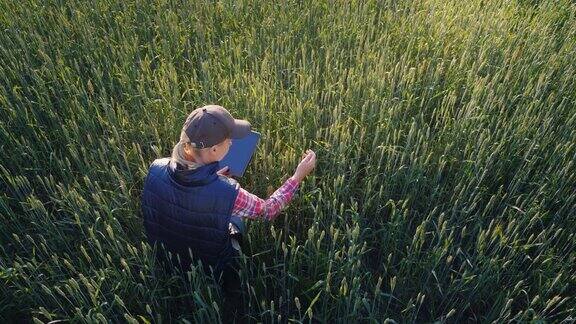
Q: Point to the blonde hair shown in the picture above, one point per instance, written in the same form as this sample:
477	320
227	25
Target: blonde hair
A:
178	155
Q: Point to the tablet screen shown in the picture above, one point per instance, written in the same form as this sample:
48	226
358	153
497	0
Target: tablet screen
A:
240	153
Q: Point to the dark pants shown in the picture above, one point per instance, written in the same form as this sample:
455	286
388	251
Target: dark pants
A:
227	277
232	287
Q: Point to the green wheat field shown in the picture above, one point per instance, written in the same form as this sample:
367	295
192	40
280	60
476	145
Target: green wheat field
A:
445	130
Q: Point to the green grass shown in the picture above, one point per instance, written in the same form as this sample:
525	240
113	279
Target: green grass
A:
445	133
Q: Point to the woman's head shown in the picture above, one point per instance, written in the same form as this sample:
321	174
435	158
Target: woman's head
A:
209	154
207	135
191	157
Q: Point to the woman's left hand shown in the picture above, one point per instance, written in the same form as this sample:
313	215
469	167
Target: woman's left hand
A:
225	171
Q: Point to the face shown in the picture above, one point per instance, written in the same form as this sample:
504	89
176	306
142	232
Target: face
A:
221	149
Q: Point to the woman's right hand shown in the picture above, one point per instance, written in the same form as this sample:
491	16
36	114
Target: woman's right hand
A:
306	165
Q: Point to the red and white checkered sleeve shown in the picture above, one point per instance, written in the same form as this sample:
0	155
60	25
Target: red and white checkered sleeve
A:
251	206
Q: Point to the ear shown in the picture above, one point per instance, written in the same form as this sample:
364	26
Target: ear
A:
187	150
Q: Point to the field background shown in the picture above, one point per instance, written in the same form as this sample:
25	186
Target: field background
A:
445	132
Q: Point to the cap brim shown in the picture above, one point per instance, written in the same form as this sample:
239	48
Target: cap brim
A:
241	128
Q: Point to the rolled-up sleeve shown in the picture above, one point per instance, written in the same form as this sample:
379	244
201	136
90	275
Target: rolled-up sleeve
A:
249	205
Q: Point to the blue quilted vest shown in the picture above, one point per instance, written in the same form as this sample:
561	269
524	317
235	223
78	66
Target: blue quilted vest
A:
188	211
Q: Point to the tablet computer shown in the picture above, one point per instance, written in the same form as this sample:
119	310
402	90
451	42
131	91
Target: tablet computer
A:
240	154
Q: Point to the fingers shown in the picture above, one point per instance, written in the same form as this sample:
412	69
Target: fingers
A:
308	155
225	170
309	160
308	152
306	165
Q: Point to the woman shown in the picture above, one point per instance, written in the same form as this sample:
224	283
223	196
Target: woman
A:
189	204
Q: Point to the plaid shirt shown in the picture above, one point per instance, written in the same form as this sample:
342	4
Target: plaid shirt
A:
251	206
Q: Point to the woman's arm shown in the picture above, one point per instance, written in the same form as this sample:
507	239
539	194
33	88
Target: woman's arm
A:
251	206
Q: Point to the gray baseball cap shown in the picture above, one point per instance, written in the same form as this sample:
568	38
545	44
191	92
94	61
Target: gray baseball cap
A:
212	124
